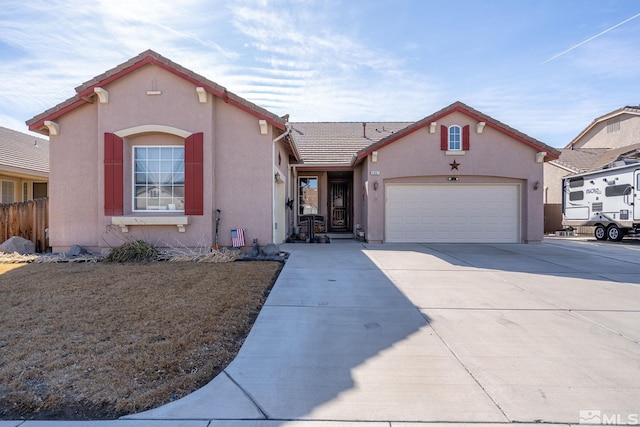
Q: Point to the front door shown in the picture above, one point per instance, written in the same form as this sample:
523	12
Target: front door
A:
339	206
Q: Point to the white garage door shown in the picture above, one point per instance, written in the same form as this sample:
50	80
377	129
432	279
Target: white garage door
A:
452	213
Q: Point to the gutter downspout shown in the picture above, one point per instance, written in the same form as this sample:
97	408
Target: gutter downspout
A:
293	189
274	208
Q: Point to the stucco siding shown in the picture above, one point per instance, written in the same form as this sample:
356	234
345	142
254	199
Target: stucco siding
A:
553	175
626	132
248	177
493	158
73	183
243	174
175	105
236	178
283	216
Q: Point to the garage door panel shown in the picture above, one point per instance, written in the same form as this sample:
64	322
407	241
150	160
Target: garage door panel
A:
452	213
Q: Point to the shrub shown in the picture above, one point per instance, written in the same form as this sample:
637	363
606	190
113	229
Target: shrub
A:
138	250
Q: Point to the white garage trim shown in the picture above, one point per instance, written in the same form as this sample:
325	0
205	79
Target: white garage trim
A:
452	213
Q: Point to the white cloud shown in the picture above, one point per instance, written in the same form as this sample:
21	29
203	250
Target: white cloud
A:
336	77
17	125
329	60
618	58
61	45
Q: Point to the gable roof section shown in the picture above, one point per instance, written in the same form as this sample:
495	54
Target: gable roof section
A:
23	154
629	109
332	144
458	106
85	92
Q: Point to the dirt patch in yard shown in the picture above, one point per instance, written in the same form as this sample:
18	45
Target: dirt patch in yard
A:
101	340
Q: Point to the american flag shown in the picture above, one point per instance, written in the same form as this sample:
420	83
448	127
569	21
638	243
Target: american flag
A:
237	237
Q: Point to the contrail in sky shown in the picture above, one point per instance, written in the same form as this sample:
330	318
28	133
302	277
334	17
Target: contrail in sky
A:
591	38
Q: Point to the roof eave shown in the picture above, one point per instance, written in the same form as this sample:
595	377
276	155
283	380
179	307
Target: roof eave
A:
564	166
23	172
324	166
290	141
552	153
85	92
294	150
608	116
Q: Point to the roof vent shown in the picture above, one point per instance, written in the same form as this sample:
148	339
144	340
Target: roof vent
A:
364	129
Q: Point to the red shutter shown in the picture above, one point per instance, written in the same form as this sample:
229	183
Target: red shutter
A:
113	175
465	138
193	175
444	138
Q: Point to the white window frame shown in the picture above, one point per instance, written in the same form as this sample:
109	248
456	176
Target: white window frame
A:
454	145
13	183
34	183
133	180
299	196
25	191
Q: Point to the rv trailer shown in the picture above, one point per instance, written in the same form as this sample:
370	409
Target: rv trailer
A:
607	199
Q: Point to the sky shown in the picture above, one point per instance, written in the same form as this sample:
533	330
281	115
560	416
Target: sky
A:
547	68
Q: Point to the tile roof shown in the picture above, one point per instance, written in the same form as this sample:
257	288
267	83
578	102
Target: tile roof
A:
615	154
588	159
23	153
335	143
580	159
85	91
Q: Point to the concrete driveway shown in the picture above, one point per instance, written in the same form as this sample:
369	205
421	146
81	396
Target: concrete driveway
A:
437	333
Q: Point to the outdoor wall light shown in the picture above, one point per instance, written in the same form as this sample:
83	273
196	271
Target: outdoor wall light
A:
375	185
277	176
536	185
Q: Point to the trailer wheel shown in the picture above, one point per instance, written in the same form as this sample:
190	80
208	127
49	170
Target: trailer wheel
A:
600	232
614	233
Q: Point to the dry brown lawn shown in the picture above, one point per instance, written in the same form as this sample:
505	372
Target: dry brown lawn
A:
101	340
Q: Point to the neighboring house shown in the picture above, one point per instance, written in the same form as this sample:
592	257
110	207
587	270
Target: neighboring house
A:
24	166
609	138
151	150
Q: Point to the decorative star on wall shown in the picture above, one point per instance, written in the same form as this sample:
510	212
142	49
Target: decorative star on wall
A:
454	165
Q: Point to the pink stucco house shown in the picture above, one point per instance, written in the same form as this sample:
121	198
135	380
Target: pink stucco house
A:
150	150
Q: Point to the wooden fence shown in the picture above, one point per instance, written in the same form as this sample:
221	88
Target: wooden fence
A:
29	220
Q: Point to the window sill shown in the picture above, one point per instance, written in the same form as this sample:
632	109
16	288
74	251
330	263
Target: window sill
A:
455	153
125	221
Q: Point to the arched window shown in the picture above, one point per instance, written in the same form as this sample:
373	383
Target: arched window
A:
455	138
